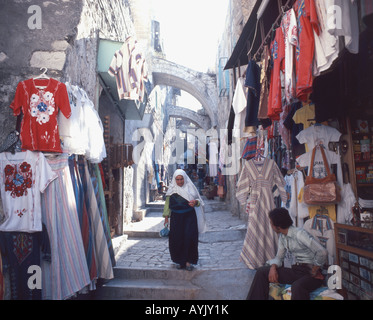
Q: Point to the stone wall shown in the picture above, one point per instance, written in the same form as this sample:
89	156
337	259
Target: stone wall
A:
63	36
66	43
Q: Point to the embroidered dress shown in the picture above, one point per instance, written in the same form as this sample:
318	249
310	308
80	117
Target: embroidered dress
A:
258	180
23	177
39	131
68	271
20	251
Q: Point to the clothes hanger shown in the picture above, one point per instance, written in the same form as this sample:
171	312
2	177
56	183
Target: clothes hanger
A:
42	76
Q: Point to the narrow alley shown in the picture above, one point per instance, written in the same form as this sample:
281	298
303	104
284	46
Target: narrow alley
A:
144	269
112	110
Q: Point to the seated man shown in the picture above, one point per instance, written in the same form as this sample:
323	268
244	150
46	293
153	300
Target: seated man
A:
305	275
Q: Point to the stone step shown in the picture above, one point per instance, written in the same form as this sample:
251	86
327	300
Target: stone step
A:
147	289
154	273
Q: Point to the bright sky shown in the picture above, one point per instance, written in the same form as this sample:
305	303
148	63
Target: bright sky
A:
190	30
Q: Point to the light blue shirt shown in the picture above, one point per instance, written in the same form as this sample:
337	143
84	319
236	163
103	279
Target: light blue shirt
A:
304	247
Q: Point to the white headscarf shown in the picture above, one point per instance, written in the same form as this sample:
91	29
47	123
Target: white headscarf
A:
188	191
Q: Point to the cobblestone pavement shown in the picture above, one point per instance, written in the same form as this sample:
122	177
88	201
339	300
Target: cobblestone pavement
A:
219	248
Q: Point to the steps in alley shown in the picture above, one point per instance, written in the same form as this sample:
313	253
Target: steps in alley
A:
144	269
149	284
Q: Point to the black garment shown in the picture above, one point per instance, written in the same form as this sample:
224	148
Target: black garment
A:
252	82
302	283
19	252
183	238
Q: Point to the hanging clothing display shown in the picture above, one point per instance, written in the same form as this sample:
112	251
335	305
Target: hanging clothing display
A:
24	176
318	134
307	24
83	132
53	203
257	181
326	43
347	23
290	31
239	104
275	94
20	251
321	227
265	83
130	70
67	273
39	131
252	82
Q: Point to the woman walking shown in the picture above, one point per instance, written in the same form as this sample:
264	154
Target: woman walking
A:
183	207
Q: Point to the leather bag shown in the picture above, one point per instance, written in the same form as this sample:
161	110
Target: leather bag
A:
325	191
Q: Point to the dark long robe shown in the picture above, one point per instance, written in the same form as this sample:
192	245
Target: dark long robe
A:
183	238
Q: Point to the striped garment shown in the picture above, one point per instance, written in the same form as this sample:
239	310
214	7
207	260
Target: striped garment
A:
67	273
257	181
103	260
130	70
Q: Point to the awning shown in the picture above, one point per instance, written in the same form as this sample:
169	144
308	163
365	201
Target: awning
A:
252	28
128	109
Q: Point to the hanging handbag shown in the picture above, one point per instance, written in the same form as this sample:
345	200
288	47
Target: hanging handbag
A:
325	191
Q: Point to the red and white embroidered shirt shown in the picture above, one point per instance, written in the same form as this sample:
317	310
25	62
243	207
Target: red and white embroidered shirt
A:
23	177
39	131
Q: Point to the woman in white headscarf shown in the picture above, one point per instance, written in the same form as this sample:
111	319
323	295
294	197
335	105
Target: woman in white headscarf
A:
184	207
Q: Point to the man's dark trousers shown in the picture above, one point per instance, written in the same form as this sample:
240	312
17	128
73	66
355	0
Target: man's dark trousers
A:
298	276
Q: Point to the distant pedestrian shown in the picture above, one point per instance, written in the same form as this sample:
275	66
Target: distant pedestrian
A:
182	202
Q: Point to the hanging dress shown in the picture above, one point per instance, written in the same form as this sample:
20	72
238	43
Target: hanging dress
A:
258	180
68	272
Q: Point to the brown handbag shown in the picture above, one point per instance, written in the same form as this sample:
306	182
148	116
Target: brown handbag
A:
325	191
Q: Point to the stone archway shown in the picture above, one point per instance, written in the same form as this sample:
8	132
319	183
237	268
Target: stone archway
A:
200	85
202	121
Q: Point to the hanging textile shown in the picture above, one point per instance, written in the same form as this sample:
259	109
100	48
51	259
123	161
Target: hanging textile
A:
67	273
326	43
104	266
290	31
130	69
25	176
307	23
84	220
321	227
20	251
252	82
257	181
265	82
275	95
40	108
101	202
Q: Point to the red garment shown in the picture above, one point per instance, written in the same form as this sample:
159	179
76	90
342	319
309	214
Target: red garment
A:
278	58
308	22
39	131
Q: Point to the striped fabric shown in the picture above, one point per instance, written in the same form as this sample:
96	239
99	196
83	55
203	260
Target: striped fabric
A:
249	150
84	219
99	193
104	265
67	273
257	181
